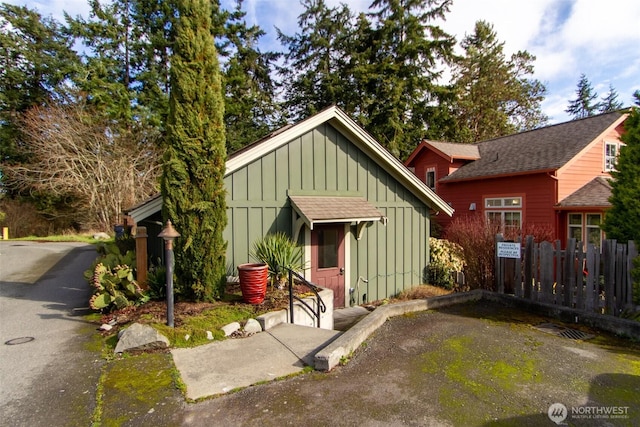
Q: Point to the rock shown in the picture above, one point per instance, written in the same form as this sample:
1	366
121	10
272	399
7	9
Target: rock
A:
209	335
230	328
140	337
101	236
106	327
252	327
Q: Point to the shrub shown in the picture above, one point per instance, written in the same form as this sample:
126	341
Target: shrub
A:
281	254
476	235
445	258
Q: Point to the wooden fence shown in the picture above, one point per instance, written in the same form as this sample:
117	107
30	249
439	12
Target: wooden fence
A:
595	281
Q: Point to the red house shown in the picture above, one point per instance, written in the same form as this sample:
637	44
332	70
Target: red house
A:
554	176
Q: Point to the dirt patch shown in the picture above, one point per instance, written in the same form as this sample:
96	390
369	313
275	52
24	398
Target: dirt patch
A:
156	311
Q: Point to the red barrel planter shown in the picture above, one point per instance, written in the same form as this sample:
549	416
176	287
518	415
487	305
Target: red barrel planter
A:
253	282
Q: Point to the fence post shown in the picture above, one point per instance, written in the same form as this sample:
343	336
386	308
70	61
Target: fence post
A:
591	291
579	278
499	265
141	256
609	274
546	271
632	253
568	276
528	267
556	297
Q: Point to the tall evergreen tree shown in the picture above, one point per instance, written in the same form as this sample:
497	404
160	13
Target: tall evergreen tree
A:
251	109
404	53
194	161
585	104
494	96
636	97
610	102
622	221
37	61
316	70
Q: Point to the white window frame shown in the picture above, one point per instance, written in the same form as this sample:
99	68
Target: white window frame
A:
586	227
506	209
430	170
610	159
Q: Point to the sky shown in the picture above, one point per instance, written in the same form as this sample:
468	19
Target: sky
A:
598	38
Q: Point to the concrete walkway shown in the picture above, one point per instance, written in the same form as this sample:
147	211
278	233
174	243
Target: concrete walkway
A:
223	366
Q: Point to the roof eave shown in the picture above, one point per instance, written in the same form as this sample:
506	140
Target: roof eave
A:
504	175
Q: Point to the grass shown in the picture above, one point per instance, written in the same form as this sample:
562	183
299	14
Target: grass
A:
83	238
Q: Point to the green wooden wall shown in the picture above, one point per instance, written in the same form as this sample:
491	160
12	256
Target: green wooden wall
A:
391	257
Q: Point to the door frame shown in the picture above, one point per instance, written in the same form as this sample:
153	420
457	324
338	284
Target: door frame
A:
347	258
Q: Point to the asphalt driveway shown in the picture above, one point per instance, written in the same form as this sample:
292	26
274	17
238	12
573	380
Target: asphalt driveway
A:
48	375
467	365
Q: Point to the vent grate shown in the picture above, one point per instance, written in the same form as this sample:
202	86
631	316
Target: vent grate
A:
563	332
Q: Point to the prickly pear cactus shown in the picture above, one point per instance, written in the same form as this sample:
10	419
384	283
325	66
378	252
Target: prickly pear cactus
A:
114	288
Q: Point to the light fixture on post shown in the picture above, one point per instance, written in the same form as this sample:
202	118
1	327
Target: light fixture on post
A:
169	234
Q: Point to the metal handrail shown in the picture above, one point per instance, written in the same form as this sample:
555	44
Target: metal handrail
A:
321	307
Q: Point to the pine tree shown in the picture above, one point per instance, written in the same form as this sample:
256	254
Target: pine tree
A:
37	60
622	221
494	97
251	109
404	51
194	162
584	105
610	102
636	97
316	71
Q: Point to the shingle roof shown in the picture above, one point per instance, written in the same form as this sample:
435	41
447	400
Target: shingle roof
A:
543	149
335	208
456	150
595	193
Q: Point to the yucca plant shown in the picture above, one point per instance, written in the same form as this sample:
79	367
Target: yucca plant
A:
281	254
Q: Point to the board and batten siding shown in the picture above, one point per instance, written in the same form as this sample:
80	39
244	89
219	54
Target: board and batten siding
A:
323	161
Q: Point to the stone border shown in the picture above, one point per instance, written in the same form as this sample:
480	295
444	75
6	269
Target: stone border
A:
327	358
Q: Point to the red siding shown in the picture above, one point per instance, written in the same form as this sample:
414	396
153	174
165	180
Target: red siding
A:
428	159
538	193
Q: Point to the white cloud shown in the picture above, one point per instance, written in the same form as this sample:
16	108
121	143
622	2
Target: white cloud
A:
568	37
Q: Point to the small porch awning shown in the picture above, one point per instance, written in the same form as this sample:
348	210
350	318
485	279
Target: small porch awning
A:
595	195
313	210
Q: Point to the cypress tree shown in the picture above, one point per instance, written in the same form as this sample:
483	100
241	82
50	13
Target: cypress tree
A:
195	155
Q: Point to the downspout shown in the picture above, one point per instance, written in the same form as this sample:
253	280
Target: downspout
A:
555	179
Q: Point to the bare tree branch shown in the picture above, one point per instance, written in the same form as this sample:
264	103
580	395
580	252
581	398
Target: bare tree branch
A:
73	153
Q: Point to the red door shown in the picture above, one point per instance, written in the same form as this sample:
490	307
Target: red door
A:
327	259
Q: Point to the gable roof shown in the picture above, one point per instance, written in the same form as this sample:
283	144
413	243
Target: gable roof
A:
593	194
541	150
351	130
448	150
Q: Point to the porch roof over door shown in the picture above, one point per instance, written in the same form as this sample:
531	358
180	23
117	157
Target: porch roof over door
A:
313	210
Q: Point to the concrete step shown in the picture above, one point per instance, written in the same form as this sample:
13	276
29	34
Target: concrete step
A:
344	318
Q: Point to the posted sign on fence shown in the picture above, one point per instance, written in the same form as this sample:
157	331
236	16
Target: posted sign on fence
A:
508	250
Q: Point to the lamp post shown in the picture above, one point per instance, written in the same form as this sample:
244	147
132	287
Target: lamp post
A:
169	234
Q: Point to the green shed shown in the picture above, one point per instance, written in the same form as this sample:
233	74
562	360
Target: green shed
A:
361	216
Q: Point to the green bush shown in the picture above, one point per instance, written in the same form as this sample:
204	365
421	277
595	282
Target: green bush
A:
445	258
281	254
